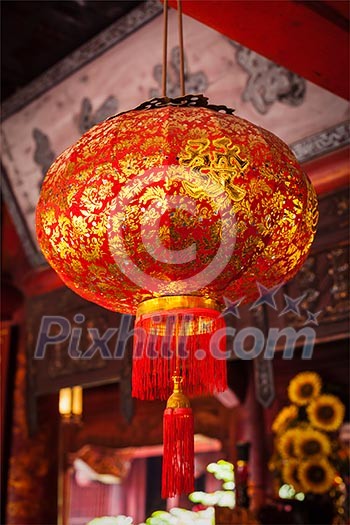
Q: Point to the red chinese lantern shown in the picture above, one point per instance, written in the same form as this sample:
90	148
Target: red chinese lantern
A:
164	210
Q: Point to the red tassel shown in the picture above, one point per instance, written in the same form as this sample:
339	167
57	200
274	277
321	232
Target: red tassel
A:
201	361
178	456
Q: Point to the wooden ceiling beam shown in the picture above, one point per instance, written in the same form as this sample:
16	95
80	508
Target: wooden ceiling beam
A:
310	38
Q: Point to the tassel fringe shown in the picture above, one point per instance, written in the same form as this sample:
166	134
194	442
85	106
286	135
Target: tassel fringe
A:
178	456
154	356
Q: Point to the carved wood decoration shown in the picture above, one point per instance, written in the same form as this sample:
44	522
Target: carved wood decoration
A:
320	292
264	381
76	361
322	284
321	287
263	368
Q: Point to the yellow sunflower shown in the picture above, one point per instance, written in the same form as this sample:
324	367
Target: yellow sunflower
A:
286	443
290	474
326	412
304	387
285	416
316	475
310	442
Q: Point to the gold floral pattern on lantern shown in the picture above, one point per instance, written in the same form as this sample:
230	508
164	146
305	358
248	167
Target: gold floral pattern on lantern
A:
107	196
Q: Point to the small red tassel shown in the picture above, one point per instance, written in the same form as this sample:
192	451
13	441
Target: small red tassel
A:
178	456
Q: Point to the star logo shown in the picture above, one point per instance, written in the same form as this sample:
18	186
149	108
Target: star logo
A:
312	318
292	305
267	296
232	307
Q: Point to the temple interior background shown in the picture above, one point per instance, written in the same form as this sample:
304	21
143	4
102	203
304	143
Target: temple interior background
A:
69	65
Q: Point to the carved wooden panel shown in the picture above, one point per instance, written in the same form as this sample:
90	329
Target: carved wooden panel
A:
90	365
322	284
320	292
75	360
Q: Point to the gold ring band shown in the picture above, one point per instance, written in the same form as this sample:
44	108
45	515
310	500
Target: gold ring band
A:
173	302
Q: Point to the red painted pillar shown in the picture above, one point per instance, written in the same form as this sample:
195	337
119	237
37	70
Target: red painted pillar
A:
252	430
32	474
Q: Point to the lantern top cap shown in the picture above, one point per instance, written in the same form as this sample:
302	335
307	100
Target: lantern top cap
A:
199	101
